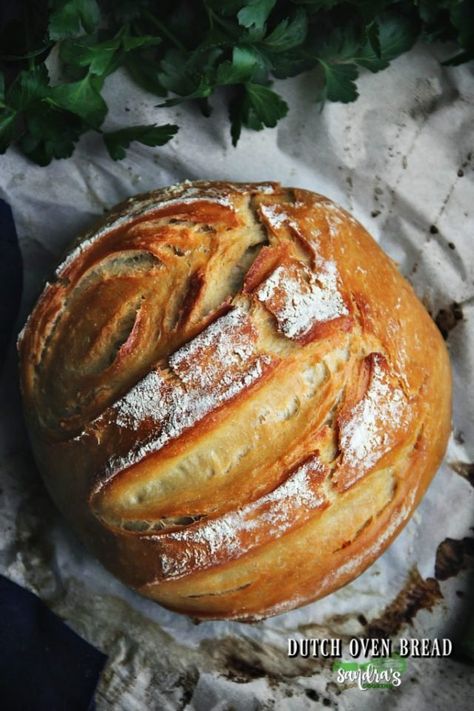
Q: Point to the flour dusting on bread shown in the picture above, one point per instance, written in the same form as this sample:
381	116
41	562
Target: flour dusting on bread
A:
236	532
300	298
368	432
217	353
211	369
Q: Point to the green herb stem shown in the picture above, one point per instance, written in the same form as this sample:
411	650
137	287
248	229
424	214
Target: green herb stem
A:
162	27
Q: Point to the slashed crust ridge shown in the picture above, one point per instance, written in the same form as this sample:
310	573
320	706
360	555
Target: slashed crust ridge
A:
234	395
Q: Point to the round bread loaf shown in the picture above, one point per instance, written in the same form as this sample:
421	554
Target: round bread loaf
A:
234	396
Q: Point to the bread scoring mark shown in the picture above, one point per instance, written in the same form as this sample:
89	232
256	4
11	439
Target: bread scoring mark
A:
185	256
241	188
212	358
179	410
191	197
229	591
338	576
287	411
211	369
373	426
235	533
284	225
300	298
265	263
397	518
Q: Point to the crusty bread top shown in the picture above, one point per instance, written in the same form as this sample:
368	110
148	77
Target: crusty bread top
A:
226	362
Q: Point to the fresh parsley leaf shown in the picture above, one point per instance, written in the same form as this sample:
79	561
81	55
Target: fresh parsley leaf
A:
144	73
71	18
50	134
266	104
130	43
336	57
102	58
373	38
188	50
28	88
341	45
82	98
289	33
396	35
174	74
462	17
188	79
255	106
255	13
247	63
152	135
98	58
202	91
339	82
290	63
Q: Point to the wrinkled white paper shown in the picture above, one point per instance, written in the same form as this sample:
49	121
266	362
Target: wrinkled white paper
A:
402	160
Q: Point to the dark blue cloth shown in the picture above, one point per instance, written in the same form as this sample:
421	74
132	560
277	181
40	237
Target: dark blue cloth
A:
44	665
10	277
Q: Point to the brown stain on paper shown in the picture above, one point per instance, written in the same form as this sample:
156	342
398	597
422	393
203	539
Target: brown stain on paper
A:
243	659
464	469
453	556
417	594
447	318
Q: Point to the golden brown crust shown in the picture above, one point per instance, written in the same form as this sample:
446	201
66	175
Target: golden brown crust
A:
234	396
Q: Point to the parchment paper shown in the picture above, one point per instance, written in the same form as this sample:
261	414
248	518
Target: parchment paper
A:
402	160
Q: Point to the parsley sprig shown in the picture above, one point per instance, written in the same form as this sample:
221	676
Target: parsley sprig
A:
188	50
